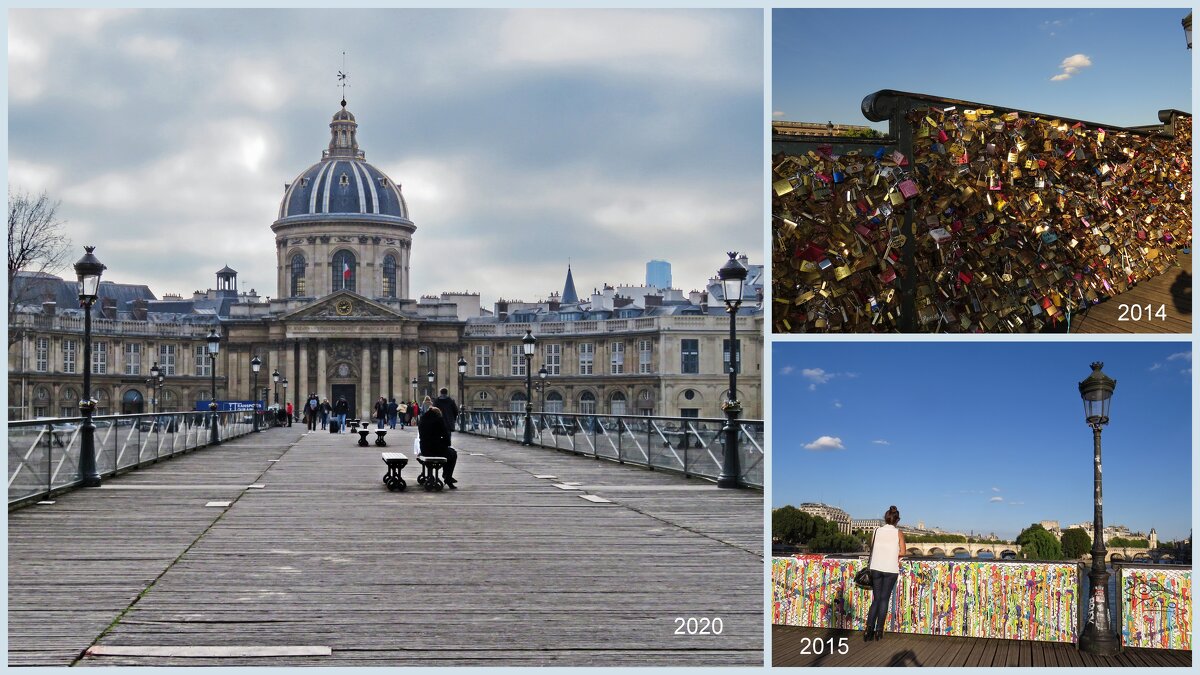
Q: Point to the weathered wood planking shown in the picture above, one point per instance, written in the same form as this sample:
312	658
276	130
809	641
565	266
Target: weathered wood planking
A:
1166	289
506	570
789	648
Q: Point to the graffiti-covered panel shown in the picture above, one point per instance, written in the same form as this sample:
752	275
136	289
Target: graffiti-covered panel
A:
1156	608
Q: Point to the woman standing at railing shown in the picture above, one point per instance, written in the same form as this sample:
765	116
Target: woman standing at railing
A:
886	546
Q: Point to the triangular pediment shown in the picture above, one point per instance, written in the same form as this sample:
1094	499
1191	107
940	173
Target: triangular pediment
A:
344	306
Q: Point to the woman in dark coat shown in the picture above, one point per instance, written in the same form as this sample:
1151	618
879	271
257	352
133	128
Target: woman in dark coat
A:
435	442
381	412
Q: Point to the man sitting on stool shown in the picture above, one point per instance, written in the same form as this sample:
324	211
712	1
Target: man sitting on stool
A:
435	442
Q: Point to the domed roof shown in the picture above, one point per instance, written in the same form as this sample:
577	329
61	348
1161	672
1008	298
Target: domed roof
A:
340	185
343	183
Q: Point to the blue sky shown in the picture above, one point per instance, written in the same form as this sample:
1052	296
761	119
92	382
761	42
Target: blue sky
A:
825	61
987	436
521	138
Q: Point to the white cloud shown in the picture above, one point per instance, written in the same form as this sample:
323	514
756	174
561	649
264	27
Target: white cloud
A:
1186	356
778	114
1156	366
826	443
880	441
1071	65
996	500
787	370
837	403
995	489
1016	503
816	375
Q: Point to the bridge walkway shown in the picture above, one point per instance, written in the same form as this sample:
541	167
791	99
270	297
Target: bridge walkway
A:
507	570
1172	290
793	646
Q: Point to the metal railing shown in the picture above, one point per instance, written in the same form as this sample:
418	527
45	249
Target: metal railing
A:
688	445
43	455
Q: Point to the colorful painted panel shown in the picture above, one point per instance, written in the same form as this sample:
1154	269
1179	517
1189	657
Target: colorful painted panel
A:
1018	601
1156	608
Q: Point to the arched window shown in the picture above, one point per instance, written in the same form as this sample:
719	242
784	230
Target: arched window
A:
517	402
344	272
297	275
616	404
554	402
389	276
587	403
132	402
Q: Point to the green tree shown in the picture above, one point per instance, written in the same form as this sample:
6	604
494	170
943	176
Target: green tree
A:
1038	544
1075	542
1125	542
862	133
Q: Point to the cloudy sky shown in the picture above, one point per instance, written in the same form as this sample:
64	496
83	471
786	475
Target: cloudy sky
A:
522	139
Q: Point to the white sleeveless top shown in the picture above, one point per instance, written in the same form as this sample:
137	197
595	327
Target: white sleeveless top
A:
885	552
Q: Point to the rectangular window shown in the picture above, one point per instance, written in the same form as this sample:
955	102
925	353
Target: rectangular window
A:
689	352
587	355
100	358
553	356
41	356
516	361
645	351
166	359
616	357
133	358
39	411
725	347
70	348
483	360
689	412
203	364
68	411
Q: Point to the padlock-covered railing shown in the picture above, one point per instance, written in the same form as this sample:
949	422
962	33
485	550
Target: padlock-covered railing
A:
1154	605
972	217
1007	599
688	445
43	455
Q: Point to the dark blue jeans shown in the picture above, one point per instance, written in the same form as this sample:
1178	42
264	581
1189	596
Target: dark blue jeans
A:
882	585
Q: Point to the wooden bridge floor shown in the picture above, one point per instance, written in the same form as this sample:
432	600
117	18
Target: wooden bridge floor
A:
792	646
507	570
1172	290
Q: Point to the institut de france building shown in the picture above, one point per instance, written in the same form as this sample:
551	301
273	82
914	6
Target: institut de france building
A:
342	323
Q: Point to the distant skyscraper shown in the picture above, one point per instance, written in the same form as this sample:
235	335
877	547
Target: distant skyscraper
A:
658	273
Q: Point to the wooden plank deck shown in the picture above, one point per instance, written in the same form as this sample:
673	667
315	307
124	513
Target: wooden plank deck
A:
507	570
793	646
1173	290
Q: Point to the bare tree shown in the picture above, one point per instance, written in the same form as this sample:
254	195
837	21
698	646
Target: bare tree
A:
36	243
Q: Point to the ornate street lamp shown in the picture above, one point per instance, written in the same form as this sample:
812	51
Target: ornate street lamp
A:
154	381
528	344
214	346
462	373
732	275
414	388
1098	636
275	379
430	377
284	382
1187	29
255	366
88	270
542	373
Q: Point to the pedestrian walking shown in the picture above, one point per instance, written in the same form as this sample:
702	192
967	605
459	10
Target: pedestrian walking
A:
393	411
311	409
340	410
449	410
380	413
290	412
325	409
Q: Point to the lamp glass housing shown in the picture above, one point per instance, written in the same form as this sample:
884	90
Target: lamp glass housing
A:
255	364
528	343
214	342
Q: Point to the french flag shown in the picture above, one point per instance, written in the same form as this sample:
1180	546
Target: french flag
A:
345	271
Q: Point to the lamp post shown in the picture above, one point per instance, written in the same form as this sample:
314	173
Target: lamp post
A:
542	373
214	346
155	375
1187	29
255	366
275	379
462	373
528	343
284	382
430	377
732	275
414	388
1098	636
88	270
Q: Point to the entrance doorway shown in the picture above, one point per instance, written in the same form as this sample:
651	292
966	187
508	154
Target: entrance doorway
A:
345	391
132	403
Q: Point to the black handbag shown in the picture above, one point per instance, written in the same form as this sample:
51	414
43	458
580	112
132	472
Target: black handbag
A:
863	576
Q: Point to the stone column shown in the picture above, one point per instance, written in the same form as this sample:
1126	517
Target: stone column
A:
399	381
304	384
364	381
383	367
414	363
322	378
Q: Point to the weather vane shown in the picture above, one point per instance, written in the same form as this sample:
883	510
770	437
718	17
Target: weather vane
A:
342	75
